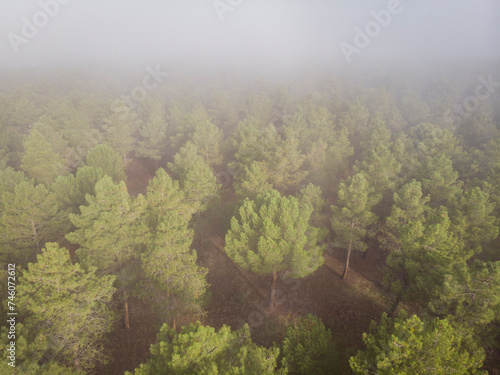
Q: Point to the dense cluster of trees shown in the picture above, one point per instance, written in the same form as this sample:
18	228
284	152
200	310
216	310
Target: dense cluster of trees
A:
368	165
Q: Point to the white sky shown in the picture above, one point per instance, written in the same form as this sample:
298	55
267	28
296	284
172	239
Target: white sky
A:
274	33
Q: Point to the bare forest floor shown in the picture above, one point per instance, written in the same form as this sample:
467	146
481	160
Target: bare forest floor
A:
345	306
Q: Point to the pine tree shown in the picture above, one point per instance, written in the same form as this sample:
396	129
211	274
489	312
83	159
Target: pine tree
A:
11	147
175	284
196	178
471	300
316	160
185	122
271	235
31	216
9	179
252	143
67	307
308	348
428	253
421	151
374	135
71	190
224	109
164	196
111	231
409	208
285	165
39	161
355	118
154	134
312	195
477	129
338	154
252	182
110	228
474	219
31	355
197	349
408	345
86	178
55	138
439	179
118	134
74	124
413	109
105	158
208	140
260	107
492	171
352	216
311	123
381	170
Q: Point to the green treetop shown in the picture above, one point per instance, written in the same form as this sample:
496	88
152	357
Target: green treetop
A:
118	133
473	216
200	350
208	140
312	195
272	234
471	298
439	179
31	215
31	354
175	284
196	179
252	182
408	345
71	190
164	196
67	307
109	161
39	161
9	179
352	216
428	252
110	227
408	208
154	135
285	164
381	169
308	348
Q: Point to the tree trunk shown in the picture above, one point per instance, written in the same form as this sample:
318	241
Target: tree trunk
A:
344	274
395	305
35	234
273	288
77	365
127	323
365	253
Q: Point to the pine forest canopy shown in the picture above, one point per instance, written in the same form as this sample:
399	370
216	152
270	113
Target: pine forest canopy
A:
346	203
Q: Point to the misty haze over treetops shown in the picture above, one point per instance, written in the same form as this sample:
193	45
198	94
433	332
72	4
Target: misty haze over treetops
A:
240	34
284	187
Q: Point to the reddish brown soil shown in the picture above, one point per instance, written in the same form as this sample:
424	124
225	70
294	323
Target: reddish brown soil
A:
345	307
139	172
130	347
